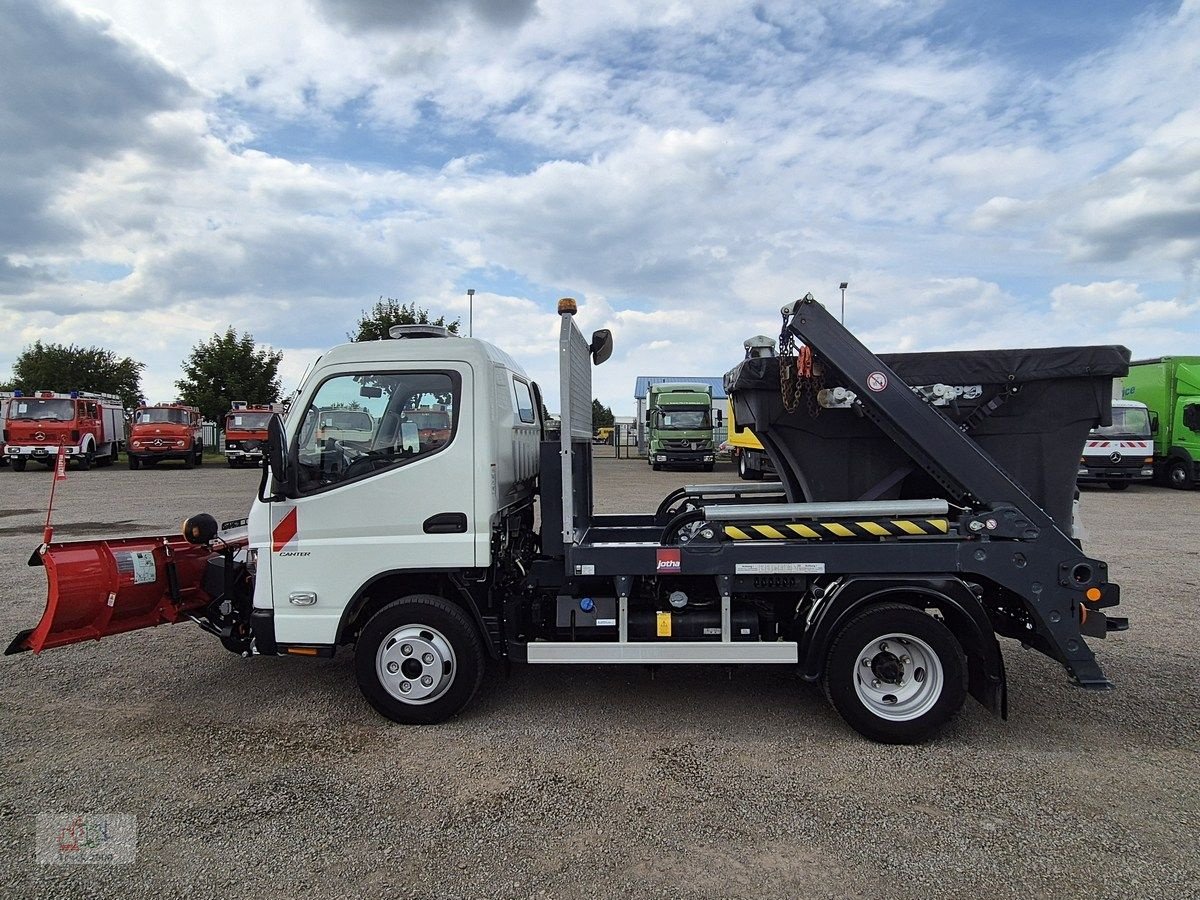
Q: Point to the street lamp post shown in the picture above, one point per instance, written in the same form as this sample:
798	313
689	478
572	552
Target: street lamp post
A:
843	286
470	312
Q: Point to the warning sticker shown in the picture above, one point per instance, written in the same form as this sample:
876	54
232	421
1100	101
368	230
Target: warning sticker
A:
137	563
664	624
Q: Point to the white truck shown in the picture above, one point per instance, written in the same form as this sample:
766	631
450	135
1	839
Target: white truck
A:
422	547
1122	453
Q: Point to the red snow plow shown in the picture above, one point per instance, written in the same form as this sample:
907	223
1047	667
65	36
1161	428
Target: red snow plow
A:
101	588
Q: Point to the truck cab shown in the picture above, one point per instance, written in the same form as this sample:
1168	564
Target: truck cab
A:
246	432
89	427
679	422
1121	453
166	431
430	496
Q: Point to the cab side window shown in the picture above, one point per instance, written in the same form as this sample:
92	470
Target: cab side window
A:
412	415
524	401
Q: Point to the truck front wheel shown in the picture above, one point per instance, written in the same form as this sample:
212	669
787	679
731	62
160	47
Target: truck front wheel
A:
134	462
419	660
1179	475
18	464
896	674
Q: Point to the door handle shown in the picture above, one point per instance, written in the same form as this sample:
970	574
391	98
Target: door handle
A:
446	523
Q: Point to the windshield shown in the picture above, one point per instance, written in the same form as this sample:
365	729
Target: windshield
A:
33	408
1126	422
429	419
243	421
159	416
684	419
346	420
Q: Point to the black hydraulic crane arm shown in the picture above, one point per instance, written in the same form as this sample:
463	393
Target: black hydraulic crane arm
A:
1049	573
933	442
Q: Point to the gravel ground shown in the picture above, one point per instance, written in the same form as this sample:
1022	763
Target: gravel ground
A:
272	777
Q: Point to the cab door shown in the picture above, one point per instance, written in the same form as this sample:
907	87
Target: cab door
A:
396	499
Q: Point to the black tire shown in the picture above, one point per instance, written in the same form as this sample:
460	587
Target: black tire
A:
745	472
1179	475
934	705
200	455
233	464
85	460
18	465
428	615
657	467
1118	485
189	461
708	467
134	462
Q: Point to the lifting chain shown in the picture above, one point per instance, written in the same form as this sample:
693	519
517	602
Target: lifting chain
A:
800	373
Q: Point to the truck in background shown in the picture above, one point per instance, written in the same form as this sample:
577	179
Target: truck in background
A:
246	432
679	424
1122	453
1170	388
745	448
166	431
91	428
342	424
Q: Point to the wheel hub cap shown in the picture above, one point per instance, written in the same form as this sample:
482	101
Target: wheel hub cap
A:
899	677
415	664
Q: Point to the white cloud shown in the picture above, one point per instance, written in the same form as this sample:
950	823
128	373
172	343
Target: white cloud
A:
683	168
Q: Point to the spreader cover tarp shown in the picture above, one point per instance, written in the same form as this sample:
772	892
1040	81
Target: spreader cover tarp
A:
1051	399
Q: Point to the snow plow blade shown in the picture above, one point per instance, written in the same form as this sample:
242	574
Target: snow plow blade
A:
101	588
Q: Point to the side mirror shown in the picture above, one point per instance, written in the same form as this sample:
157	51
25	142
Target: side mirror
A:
1154	423
277	456
601	346
718	413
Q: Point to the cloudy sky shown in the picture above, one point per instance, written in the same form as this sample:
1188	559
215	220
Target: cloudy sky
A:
1017	173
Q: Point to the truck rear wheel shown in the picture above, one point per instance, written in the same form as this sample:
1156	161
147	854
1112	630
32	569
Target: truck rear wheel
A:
896	674
745	472
419	660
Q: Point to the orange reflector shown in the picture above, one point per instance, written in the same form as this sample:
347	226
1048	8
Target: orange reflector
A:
1093	594
302	651
567	305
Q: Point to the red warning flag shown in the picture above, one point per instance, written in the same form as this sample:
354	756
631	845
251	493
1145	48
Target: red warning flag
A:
60	465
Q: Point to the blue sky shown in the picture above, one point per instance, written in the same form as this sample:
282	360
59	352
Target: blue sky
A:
983	174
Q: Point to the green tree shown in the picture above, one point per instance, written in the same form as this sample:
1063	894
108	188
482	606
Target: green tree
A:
602	416
61	367
227	368
374	323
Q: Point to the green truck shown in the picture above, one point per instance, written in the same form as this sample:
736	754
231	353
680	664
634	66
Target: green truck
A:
1170	388
679	424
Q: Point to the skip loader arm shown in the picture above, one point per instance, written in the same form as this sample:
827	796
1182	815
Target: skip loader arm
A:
1046	593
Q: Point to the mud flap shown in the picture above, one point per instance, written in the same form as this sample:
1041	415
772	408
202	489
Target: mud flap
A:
100	588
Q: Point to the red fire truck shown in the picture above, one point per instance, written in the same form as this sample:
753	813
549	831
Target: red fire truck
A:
90	427
246	432
166	431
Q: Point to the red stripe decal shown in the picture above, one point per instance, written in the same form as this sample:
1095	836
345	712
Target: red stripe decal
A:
285	530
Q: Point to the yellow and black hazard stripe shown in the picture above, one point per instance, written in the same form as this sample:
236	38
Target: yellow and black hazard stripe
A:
823	531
